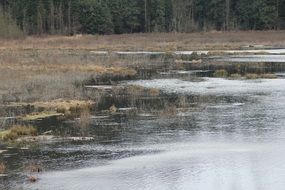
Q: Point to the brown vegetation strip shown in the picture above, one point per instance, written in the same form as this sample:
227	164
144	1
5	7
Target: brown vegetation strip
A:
88	68
151	42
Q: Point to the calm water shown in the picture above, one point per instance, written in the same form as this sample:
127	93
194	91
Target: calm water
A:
232	143
223	134
252	58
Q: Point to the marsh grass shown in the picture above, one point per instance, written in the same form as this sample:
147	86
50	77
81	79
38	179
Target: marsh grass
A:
18	131
235	76
169	110
221	73
32	179
113	109
268	76
66	107
152	41
40	115
136	90
260	76
152	92
251	76
33	168
37	82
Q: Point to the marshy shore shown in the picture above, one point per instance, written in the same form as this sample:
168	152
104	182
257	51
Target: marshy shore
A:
53	89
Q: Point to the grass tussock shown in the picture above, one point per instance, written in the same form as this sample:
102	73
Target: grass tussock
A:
235	76
251	76
221	73
117	71
18	131
224	74
32	179
66	107
56	108
33	168
268	76
153	92
113	109
260	76
136	90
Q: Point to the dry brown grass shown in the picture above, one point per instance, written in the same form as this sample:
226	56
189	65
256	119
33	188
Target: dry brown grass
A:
18	131
53	67
56	108
136	90
33	179
65	106
33	168
46	81
153	41
260	76
113	109
34	69
221	73
268	76
153	92
40	115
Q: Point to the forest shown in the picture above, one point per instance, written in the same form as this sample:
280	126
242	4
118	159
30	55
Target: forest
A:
68	17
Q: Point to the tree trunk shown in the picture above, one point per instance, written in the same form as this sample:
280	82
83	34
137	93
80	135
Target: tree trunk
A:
227	20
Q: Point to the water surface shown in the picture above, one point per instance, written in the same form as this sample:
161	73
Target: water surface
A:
234	142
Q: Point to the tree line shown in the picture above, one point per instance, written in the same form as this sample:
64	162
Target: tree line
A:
129	16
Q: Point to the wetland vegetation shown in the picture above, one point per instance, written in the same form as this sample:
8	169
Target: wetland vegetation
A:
177	95
65	98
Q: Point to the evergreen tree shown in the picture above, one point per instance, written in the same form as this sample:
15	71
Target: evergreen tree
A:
95	17
127	16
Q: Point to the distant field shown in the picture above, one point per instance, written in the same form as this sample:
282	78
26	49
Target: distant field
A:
151	42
